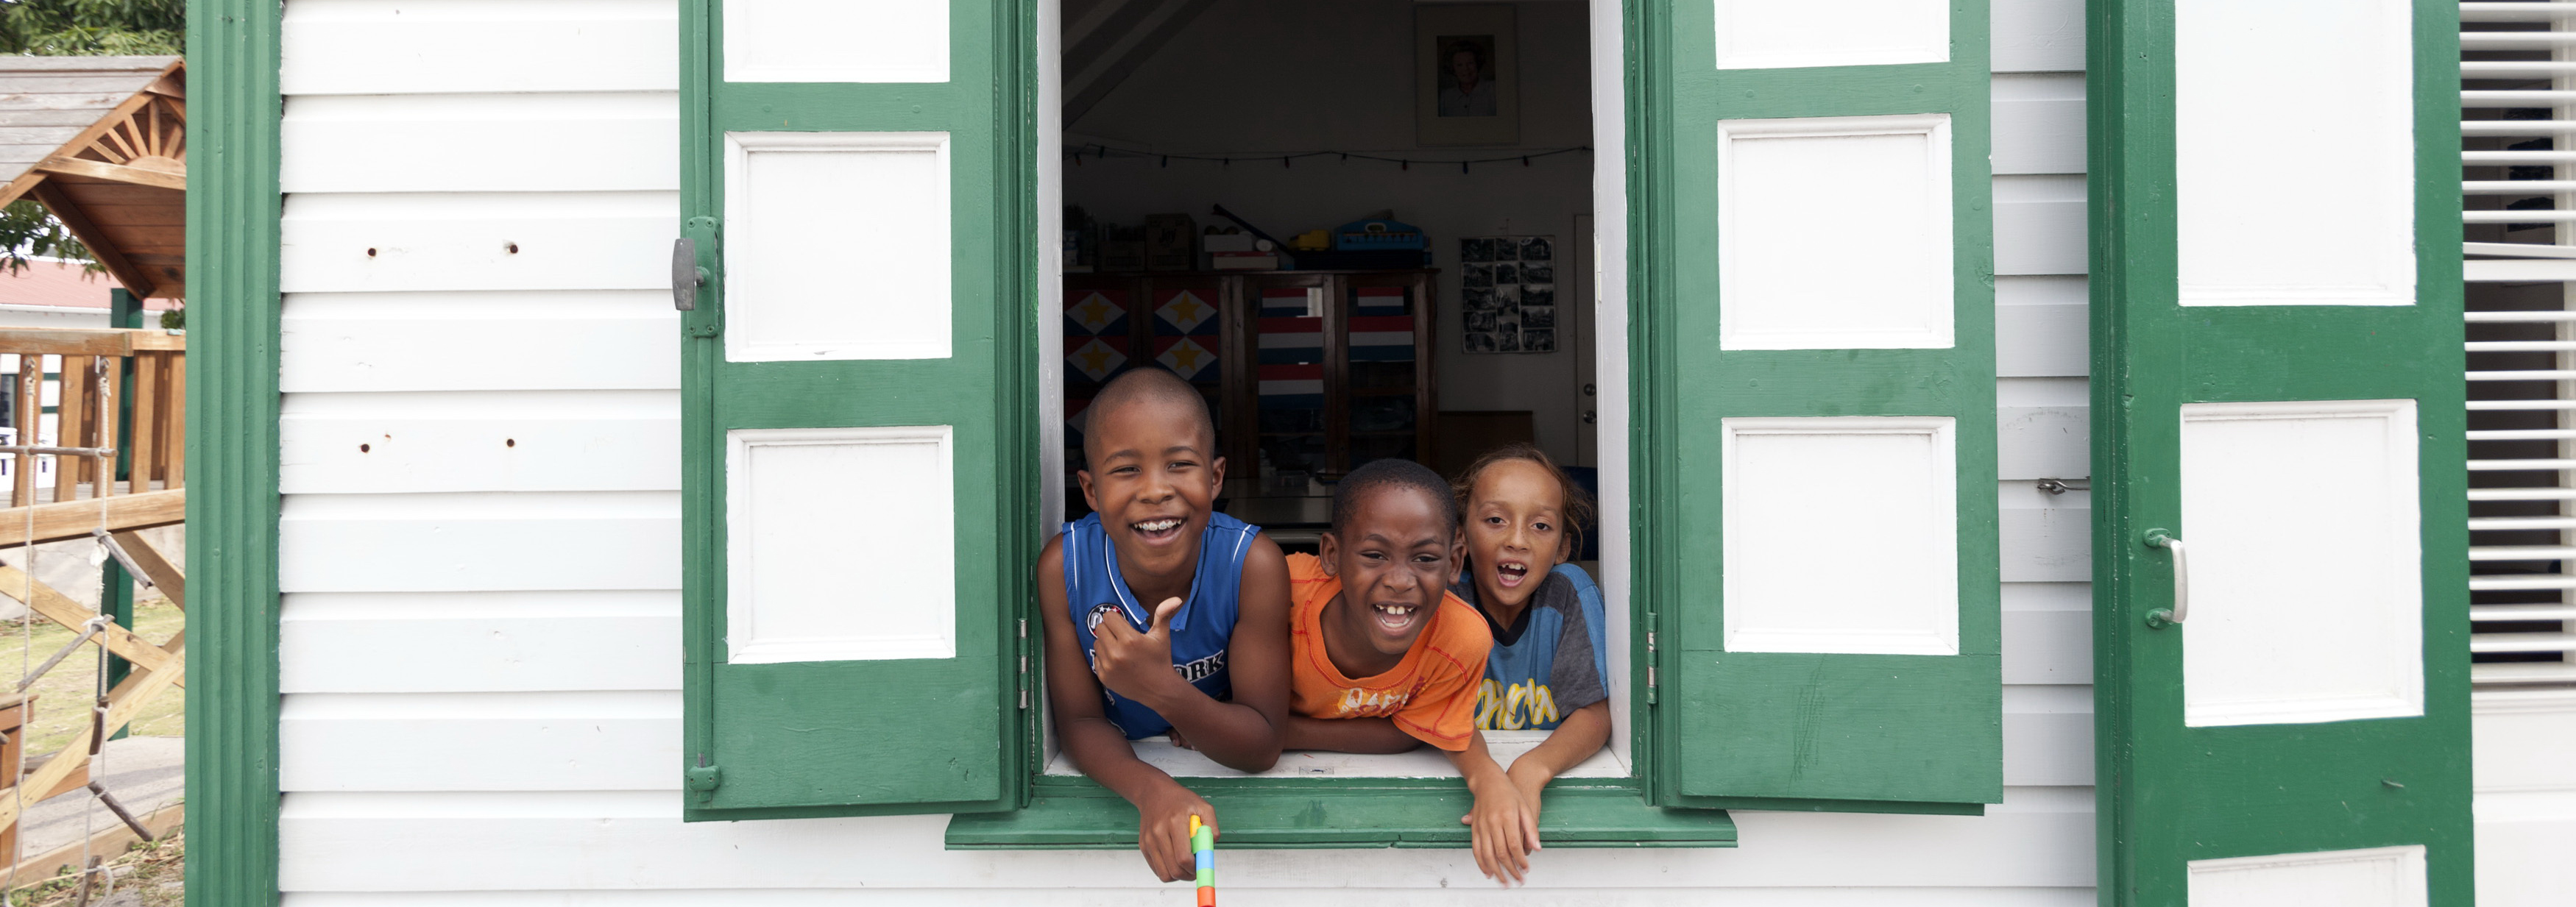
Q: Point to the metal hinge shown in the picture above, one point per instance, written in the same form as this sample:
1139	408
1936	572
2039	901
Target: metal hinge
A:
1651	658
704	779
1024	663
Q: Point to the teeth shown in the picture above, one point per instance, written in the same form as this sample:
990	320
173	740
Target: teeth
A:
1157	525
1515	568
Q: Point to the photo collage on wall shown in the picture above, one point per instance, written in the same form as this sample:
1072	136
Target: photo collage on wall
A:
1507	293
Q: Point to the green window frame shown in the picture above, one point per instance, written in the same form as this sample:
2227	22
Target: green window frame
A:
1656	805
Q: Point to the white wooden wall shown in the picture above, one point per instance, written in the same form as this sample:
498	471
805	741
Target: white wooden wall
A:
481	643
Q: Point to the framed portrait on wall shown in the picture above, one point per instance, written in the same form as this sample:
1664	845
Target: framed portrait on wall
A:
1466	75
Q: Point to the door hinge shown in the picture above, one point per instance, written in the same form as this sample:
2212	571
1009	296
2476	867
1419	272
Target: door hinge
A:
1652	659
1024	663
704	779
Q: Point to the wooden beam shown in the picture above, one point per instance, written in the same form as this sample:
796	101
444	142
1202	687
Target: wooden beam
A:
115	173
137	690
64	520
111	841
89	341
156	568
61	609
132	275
25	183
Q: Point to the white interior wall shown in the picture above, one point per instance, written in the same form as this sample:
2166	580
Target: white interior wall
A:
480	648
1289	76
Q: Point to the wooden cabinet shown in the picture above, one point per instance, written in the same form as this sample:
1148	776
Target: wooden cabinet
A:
1314	371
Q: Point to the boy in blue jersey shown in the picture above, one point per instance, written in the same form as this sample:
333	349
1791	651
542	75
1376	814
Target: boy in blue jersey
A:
1209	659
1545	671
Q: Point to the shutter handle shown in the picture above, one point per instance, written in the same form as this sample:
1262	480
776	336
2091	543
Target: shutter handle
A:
2163	617
686	276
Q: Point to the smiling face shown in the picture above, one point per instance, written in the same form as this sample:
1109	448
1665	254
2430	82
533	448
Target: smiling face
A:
1394	555
1153	476
1462	66
1515	531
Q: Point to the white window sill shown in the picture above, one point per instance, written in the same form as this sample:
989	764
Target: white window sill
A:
1421	763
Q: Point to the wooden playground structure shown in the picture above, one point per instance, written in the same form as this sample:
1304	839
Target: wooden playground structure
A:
115	434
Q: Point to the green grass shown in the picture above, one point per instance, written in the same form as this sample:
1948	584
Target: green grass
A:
64	696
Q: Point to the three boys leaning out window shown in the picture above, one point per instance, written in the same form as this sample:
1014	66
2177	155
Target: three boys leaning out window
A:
1434	611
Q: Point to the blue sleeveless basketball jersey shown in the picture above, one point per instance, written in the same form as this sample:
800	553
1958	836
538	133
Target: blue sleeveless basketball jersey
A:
1203	627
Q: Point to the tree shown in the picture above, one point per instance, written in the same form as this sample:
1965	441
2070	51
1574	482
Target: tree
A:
48	28
76	28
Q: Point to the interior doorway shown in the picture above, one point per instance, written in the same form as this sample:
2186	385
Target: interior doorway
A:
1418	254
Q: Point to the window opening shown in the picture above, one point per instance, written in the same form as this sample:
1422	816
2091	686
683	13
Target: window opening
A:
1339	284
2518	81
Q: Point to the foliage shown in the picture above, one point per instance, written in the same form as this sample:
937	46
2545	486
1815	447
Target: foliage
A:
91	27
26	229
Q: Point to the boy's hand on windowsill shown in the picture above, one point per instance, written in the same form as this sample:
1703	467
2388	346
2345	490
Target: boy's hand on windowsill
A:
1530	779
1504	826
1138	665
1163	831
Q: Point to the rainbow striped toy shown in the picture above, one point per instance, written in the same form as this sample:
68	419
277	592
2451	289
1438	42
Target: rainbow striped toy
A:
1203	847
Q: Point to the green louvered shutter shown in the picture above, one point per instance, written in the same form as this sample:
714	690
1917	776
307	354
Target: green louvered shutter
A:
857	393
2279	413
1819	395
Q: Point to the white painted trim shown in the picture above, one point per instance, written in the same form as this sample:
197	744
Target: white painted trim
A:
2402	548
1609	341
935	527
1739	269
1757	621
2351	245
741	232
2405	886
839	41
1848	33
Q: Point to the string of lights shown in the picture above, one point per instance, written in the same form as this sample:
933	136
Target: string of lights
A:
1104	152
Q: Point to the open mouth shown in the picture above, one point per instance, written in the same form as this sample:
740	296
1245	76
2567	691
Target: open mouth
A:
1395	618
1160	529
1510	574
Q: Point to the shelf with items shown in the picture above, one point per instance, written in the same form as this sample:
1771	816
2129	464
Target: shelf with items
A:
1305	371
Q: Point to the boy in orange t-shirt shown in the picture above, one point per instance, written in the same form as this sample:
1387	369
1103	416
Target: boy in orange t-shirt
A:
1385	659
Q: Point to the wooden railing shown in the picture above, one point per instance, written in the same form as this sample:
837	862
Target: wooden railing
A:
111	389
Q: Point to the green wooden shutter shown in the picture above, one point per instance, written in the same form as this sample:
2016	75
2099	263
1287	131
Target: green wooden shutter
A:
1819	500
858	431
2278	385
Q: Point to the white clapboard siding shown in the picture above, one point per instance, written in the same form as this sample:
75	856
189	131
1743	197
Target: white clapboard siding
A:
602	340
2047	647
2045	538
486	441
2039	123
536	841
2040	327
481	143
597	741
2037	35
476	542
1235	896
2039	225
480	642
629	740
481	654
479	241
447	46
2526	792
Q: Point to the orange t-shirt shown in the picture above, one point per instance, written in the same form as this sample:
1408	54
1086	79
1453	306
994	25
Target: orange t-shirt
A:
1431	694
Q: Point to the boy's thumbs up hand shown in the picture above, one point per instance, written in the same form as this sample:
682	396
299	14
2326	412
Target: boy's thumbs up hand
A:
1137	665
1162	626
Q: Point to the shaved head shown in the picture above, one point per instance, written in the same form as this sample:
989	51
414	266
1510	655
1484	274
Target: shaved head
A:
1154	388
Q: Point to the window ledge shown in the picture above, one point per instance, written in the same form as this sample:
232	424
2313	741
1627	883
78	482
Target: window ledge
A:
1294	814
